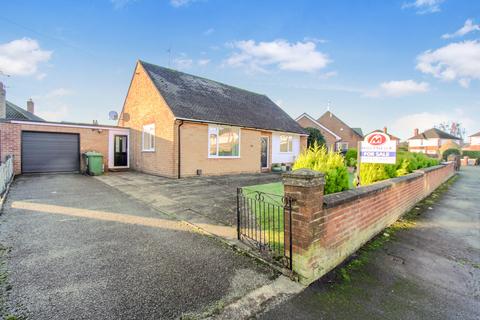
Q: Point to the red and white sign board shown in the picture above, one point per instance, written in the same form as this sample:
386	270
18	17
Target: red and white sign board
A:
378	148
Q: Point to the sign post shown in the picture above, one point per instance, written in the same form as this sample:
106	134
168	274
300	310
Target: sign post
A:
376	148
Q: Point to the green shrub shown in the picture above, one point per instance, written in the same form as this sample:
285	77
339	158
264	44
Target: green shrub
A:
314	136
351	157
471	154
406	163
331	163
450	151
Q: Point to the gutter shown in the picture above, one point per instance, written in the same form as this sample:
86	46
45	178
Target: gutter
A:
179	148
239	126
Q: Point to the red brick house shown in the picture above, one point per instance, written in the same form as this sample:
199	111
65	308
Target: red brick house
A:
473	143
337	133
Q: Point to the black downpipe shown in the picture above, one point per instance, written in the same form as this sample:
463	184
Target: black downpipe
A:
179	148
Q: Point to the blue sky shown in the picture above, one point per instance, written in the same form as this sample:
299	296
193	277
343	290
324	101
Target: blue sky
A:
400	64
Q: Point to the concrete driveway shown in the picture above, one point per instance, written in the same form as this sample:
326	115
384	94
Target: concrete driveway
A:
208	202
80	249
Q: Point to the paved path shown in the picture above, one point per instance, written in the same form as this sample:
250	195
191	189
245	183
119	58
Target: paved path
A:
83	250
431	271
207	202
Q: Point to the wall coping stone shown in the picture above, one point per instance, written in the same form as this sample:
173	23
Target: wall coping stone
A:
303	178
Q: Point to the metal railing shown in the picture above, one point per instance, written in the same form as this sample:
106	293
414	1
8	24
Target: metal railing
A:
261	221
6	173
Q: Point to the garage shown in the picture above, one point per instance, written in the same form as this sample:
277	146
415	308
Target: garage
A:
44	152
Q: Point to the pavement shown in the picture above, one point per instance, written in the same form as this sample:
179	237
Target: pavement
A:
428	271
208	202
79	249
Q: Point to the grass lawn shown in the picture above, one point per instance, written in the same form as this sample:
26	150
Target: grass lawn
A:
267	225
277	187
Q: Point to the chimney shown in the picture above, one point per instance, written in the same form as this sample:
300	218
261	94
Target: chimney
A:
384	129
3	102
415	131
30	106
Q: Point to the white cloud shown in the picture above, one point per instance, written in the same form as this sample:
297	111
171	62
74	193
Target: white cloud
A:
60	92
300	56
203	62
316	40
405	125
424	6
467	28
22	57
456	61
208	31
182	63
181	3
53	114
399	88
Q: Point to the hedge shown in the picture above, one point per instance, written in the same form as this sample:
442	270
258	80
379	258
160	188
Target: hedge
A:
471	154
331	163
406	163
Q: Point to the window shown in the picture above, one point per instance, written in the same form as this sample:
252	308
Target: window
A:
223	142
148	137
286	144
342	146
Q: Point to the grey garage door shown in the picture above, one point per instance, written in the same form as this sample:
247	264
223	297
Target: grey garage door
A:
50	152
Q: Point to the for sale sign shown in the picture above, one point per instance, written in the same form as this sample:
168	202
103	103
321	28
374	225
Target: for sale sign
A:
378	148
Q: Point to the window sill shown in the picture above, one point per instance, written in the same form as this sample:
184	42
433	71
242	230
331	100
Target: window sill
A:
226	157
148	151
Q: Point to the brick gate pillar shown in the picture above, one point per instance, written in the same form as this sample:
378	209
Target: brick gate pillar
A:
305	187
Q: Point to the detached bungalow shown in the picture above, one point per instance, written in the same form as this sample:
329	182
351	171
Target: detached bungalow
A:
473	143
183	125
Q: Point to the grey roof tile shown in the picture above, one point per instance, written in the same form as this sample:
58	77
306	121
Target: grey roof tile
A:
14	112
434	133
196	98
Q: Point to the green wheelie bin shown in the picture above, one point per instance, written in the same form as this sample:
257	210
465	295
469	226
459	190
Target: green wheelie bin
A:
94	161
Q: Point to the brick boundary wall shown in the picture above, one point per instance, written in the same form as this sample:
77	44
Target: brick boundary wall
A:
328	229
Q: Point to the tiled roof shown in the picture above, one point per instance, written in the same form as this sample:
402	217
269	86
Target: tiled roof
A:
434	133
14	112
358	131
476	134
195	98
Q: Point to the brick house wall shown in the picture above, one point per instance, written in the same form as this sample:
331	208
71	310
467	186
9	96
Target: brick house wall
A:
11	136
194	147
328	229
341	129
329	138
144	105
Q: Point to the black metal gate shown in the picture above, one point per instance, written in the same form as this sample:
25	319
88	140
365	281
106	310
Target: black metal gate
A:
261	221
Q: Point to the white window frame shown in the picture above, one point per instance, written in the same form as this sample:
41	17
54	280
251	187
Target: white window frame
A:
150	130
217	127
289	144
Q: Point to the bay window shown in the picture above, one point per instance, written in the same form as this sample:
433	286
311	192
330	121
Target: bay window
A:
223	141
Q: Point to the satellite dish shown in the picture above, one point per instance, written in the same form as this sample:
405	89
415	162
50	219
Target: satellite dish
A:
113	115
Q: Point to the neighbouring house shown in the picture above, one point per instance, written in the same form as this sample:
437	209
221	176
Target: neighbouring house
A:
336	132
40	146
183	125
432	142
473	143
385	130
331	139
